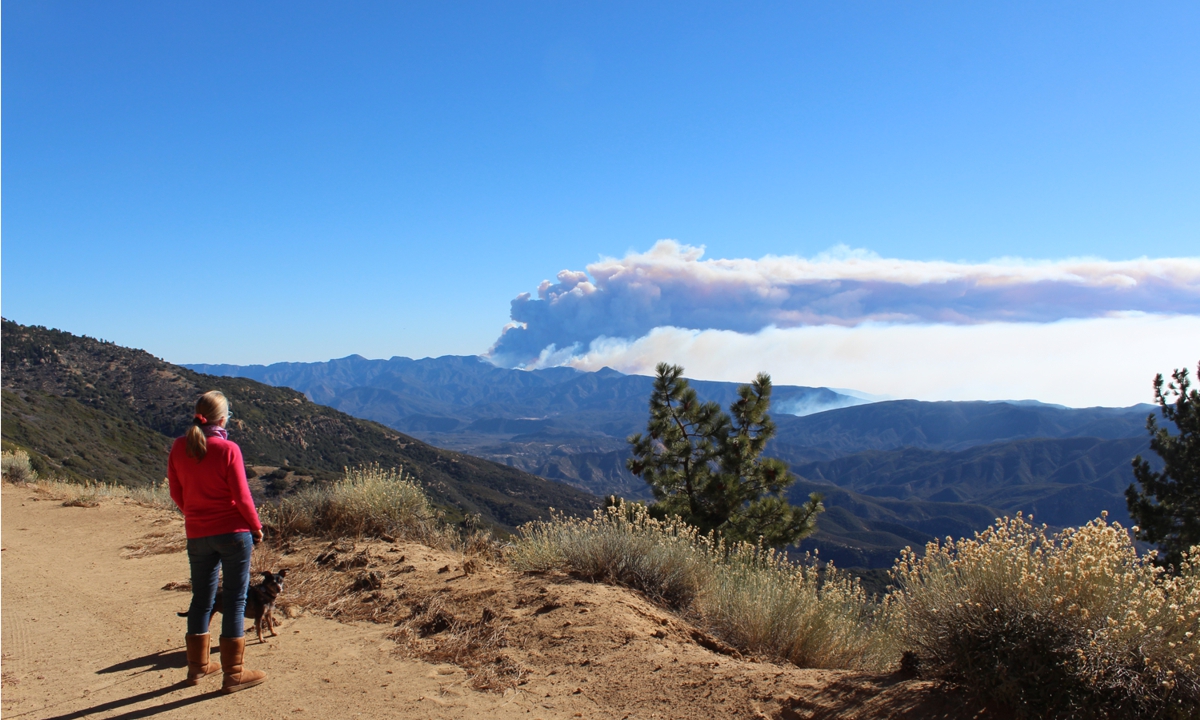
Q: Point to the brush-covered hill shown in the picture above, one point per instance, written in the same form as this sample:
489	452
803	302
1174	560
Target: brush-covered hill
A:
880	501
948	426
85	409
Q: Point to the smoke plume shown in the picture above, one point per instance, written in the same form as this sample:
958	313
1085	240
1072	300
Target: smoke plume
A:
672	285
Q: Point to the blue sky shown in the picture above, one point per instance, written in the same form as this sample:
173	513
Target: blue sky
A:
232	182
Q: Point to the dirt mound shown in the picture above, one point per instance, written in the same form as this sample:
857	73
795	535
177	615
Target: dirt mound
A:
380	630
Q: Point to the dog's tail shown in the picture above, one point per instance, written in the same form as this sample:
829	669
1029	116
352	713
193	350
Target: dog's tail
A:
182	614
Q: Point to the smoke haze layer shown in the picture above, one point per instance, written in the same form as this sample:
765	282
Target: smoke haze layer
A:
932	330
1078	363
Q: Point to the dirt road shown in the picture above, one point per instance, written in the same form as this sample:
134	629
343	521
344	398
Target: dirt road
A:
90	633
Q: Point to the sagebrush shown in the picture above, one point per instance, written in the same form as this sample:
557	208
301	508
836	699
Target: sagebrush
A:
16	467
760	601
1074	624
622	544
367	501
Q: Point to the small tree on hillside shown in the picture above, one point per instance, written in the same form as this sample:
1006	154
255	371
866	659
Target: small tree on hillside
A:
706	467
1167	509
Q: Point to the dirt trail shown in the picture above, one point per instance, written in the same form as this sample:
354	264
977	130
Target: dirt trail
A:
89	632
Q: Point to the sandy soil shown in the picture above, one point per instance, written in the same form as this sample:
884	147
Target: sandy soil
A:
89	631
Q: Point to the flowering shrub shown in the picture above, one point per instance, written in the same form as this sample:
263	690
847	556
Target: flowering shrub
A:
1070	625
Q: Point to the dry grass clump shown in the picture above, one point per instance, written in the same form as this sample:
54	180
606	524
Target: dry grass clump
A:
85	496
1070	625
90	494
368	501
666	559
763	603
155	496
751	597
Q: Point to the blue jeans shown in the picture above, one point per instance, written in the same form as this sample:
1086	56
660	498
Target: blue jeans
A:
230	552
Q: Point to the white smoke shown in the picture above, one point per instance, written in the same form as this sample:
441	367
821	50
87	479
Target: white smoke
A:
1098	361
673	286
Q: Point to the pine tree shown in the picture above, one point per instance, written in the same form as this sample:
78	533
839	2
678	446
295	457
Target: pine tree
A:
706	466
1167	509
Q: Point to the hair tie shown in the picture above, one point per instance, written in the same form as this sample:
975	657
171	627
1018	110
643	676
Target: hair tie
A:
200	419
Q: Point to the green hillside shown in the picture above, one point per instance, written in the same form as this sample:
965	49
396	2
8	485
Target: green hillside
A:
84	408
68	439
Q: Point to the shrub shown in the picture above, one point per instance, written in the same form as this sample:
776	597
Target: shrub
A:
761	602
16	468
1073	625
751	597
366	502
620	544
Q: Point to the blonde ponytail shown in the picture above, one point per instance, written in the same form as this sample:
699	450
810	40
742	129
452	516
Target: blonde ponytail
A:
211	408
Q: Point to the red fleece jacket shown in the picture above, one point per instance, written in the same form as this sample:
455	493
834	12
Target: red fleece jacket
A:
212	494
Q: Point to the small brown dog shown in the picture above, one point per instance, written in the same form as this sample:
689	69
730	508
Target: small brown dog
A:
260	601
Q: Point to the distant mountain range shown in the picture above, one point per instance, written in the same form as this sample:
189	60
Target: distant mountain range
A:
452	393
894	473
557	423
91	410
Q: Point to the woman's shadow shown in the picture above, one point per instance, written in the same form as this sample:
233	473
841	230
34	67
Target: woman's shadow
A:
169	661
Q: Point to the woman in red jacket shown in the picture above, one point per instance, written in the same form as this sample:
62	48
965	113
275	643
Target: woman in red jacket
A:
208	483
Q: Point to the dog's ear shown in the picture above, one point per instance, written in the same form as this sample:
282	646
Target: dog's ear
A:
282	573
267	576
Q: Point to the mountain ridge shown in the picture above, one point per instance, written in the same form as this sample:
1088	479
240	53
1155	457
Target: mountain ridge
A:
55	383
473	386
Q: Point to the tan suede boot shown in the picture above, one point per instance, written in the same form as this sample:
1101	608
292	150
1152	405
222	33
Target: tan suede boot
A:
236	677
197	658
